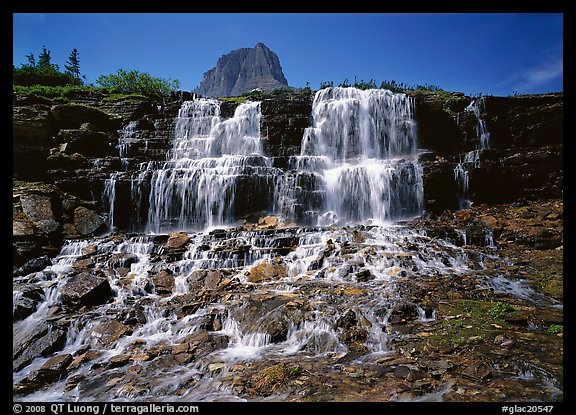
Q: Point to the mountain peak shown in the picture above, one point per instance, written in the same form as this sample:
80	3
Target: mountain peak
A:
243	70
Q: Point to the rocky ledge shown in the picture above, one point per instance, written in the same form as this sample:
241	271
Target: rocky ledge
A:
469	304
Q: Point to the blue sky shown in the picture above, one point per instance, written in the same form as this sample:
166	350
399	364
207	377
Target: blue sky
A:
489	53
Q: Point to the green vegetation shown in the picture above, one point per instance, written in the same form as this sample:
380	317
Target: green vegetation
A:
267	379
42	78
498	310
549	283
555	329
469	320
390	85
136	82
42	71
125	98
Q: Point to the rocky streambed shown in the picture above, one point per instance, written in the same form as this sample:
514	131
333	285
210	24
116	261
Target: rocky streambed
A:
463	306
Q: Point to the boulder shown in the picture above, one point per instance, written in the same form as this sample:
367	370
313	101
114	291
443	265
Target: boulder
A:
266	271
88	143
38	208
163	282
109	331
177	240
86	289
33	265
86	221
53	369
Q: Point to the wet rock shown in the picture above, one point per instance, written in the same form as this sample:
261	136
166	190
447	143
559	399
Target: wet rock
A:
202	343
271	316
33	265
177	240
83	263
122	260
266	270
403	312
477	372
347	320
109	331
268	222
86	289
364	275
212	279
86	221
26	303
163	282
42	341
53	369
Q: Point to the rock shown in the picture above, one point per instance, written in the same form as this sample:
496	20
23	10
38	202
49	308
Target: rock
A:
267	271
32	131
212	279
122	260
86	289
177	240
39	209
477	372
26	303
34	265
88	143
86	221
72	116
163	282
81	263
43	340
89	250
268	222
53	369
243	70
109	331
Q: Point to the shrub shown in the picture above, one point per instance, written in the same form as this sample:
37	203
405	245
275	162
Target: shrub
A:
136	82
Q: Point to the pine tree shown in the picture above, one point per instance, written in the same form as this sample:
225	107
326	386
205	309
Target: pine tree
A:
44	59
31	60
73	64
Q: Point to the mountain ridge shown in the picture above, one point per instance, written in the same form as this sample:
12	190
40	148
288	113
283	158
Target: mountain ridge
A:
243	70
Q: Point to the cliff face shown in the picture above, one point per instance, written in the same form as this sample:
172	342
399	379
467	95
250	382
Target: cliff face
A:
77	148
243	70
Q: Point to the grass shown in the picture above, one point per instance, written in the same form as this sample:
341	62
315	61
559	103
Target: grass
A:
469	319
549	283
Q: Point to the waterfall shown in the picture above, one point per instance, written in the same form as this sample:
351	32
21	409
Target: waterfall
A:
359	158
472	158
210	162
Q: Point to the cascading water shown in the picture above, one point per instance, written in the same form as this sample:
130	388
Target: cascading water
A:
201	316
472	158
359	156
211	161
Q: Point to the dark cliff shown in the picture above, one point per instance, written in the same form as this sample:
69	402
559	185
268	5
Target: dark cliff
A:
76	148
243	70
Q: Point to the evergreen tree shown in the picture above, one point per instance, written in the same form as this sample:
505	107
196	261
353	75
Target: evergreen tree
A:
73	64
31	60
44	59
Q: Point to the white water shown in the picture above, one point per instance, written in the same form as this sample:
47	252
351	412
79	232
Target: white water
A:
360	158
471	159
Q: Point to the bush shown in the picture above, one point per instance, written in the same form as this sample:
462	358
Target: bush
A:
136	82
28	75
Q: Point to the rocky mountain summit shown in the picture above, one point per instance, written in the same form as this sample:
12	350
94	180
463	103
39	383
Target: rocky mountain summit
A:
243	70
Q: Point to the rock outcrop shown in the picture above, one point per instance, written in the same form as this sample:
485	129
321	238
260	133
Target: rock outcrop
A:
243	70
58	145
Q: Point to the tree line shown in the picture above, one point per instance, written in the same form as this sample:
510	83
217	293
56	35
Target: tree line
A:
41	71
